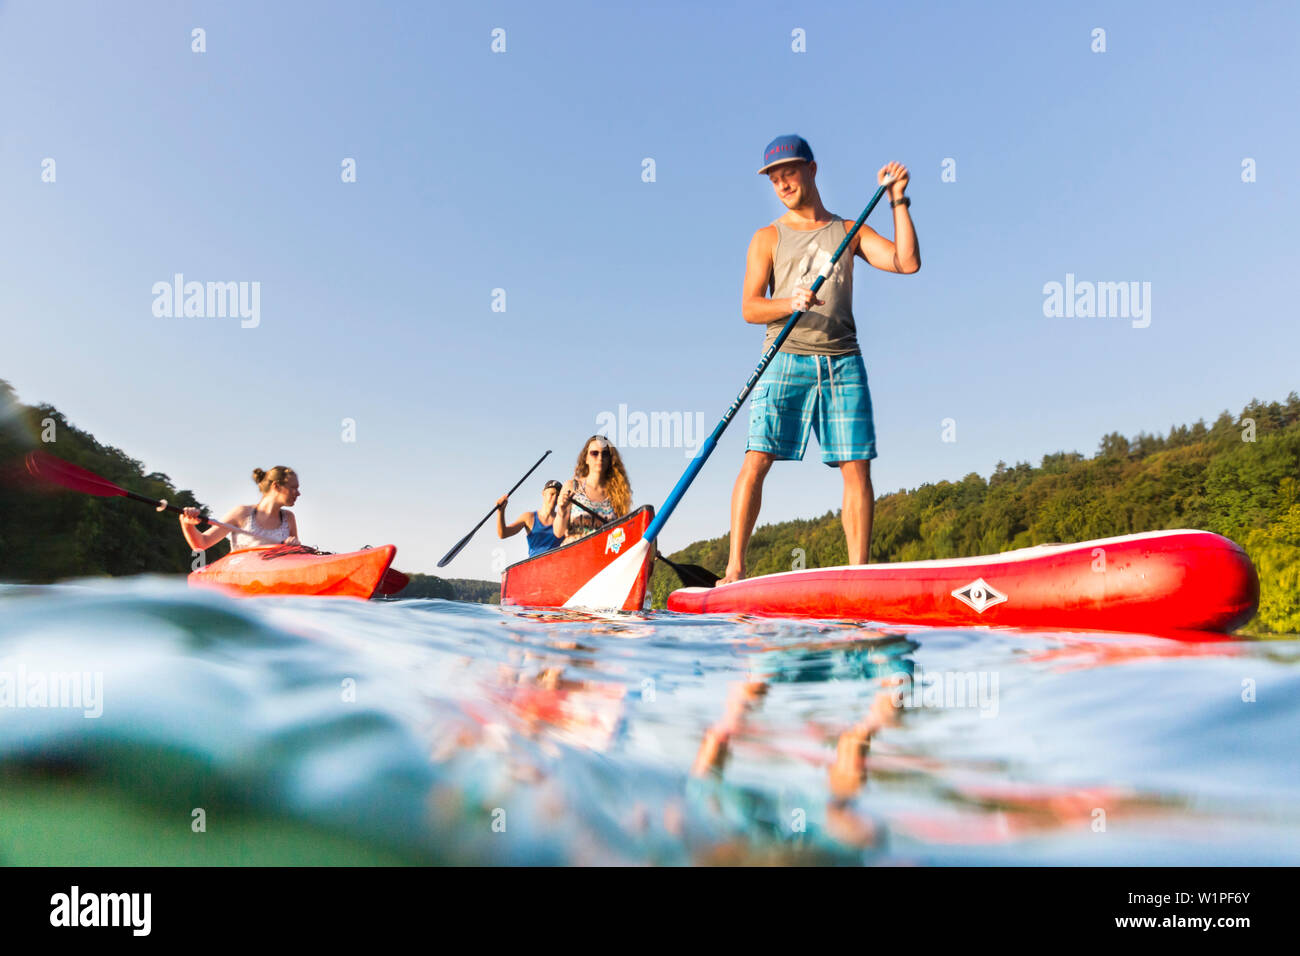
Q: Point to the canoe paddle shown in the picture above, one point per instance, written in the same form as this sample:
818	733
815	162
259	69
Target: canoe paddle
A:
611	586
56	471
692	575
465	540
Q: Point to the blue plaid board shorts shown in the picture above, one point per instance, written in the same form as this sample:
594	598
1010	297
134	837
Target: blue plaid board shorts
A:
824	394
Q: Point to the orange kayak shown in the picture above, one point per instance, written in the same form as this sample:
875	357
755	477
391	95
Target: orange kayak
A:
259	571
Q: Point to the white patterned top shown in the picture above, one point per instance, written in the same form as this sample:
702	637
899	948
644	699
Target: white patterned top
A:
278	535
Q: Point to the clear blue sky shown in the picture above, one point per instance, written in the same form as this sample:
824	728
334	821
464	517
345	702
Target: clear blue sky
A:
522	171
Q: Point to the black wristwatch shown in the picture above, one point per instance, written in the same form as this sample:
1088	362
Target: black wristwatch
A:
905	201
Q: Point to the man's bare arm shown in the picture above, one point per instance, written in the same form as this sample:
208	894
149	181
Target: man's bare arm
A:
903	255
755	306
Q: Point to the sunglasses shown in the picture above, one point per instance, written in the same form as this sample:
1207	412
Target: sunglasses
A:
596	453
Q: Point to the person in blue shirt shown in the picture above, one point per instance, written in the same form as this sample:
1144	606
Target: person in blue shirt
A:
538	524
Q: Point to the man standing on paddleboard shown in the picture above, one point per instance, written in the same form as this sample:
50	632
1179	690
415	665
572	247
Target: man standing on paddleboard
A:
817	381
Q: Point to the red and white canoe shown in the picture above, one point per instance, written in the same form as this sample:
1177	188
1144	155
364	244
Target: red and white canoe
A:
557	577
1151	583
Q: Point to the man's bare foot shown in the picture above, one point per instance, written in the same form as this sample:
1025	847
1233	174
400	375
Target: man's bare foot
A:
732	575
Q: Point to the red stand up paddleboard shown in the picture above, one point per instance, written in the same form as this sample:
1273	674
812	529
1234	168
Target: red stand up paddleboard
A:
1151	583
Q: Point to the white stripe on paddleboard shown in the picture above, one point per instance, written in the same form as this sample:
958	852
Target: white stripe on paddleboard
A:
1006	557
610	588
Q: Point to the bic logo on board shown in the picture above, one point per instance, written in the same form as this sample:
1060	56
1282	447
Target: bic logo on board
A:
979	594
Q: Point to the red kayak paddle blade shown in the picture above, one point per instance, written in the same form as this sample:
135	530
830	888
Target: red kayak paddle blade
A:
393	582
59	472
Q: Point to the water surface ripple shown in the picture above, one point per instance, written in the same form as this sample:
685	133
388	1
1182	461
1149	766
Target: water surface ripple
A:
316	731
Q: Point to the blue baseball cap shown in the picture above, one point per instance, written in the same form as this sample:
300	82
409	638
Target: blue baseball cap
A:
786	149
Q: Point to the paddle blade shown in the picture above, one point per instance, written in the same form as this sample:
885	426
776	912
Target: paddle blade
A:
612	586
59	472
694	576
446	559
473	531
393	581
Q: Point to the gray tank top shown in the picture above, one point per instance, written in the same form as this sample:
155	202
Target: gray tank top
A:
798	257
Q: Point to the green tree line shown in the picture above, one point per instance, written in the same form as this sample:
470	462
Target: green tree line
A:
1239	477
452	589
47	534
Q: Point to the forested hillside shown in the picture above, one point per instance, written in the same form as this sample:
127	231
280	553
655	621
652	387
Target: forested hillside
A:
47	534
452	589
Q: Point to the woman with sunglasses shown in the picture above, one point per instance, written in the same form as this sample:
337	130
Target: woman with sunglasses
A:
600	483
539	524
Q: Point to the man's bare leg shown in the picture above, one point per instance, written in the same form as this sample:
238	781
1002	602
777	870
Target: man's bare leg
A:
746	499
858	509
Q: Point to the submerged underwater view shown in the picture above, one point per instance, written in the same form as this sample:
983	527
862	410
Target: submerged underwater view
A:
142	722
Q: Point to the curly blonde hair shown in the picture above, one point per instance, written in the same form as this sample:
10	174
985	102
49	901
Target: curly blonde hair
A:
613	476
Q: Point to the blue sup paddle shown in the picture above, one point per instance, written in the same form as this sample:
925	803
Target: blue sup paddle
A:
612	586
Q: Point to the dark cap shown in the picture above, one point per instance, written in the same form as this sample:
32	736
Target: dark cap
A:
786	149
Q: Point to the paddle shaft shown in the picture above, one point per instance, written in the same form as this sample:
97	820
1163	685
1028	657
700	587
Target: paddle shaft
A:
74	477
160	504
594	514
706	449
465	540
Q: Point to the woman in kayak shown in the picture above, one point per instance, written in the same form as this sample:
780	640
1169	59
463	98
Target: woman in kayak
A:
600	484
539	524
270	519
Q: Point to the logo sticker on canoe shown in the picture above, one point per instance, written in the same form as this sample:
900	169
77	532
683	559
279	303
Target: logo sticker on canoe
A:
979	594
615	540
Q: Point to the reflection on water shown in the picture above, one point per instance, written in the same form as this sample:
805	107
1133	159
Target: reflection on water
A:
305	731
